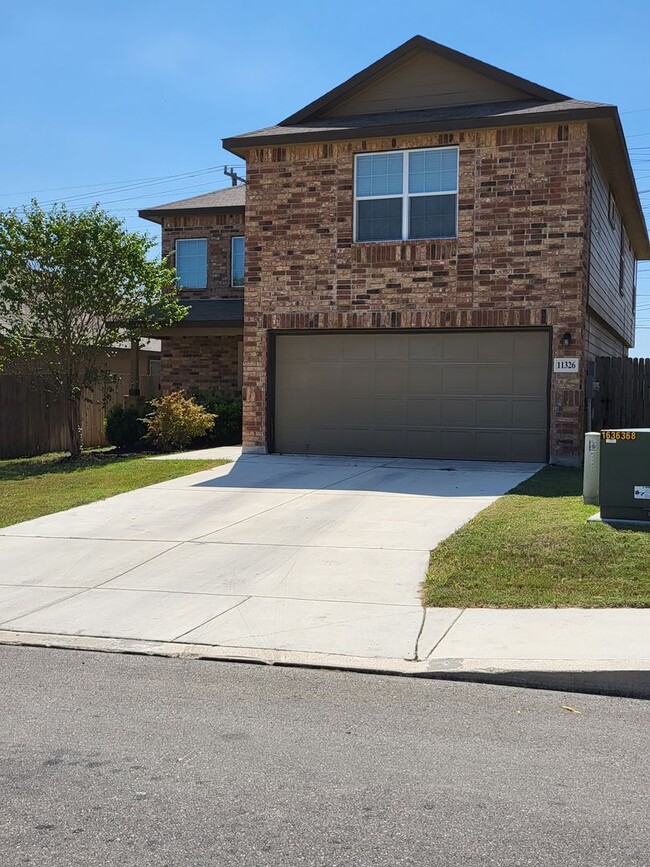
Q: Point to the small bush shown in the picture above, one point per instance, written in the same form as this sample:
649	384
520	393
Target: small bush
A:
124	426
227	430
175	421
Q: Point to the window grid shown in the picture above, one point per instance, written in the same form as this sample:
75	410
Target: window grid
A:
405	195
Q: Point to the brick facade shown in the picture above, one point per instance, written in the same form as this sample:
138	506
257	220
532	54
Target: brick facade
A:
211	361
219	229
203	362
520	258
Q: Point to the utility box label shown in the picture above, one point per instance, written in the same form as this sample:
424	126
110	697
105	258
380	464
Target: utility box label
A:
642	492
566	365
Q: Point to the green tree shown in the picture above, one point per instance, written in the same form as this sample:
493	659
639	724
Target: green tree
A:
72	285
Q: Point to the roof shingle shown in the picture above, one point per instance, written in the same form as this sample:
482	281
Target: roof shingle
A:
228	199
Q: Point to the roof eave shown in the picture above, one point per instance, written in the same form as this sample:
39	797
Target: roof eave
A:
627	195
153	214
240	144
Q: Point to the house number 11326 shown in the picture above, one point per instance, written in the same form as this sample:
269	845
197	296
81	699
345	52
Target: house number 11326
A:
566	365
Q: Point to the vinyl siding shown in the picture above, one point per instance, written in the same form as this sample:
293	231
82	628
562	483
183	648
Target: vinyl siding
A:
426	81
601	341
609	259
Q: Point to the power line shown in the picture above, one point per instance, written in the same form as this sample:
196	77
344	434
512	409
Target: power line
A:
99	185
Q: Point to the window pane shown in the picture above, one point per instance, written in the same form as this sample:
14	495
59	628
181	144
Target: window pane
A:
432	217
433	171
379	174
379	220
192	263
237	262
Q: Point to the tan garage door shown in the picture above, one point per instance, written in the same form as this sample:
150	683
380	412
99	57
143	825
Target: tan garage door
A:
479	395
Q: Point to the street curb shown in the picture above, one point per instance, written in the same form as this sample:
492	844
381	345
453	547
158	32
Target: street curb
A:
624	678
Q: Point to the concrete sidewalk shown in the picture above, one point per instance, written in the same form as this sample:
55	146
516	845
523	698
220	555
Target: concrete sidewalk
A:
296	560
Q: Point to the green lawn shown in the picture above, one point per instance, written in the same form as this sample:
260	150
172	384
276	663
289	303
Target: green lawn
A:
533	548
31	487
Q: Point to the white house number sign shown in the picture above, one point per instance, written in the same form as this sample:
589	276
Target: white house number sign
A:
566	365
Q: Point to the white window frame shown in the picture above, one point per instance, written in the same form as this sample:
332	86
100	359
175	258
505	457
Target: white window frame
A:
404	195
234	285
190	288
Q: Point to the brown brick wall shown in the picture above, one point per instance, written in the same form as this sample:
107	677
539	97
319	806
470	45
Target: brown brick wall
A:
205	362
519	259
219	229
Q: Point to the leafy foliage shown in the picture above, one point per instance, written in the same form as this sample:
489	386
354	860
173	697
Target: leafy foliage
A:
228	409
72	286
176	420
124	426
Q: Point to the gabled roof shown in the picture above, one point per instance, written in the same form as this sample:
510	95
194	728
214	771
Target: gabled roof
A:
511	86
229	200
425	87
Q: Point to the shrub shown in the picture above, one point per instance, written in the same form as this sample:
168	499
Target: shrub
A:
228	408
124	426
176	420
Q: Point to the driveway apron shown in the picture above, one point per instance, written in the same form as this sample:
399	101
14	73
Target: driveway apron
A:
280	552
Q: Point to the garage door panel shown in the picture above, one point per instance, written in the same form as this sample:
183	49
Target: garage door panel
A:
323	408
491	347
462	395
293	375
529	380
357	410
494	412
453	443
394	347
424	346
494	379
295	439
424	379
390	378
494	445
289	407
357	379
458	411
356	348
386	441
422	443
459	346
326	376
459	379
423	412
530	346
389	410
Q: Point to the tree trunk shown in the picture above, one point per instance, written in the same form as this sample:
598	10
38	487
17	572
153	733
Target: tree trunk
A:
74	426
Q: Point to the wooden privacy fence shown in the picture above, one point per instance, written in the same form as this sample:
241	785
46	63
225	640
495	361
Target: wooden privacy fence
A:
33	420
619	389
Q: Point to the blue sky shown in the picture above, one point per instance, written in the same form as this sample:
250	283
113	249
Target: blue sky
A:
126	102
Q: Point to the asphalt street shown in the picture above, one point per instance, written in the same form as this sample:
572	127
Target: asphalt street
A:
122	760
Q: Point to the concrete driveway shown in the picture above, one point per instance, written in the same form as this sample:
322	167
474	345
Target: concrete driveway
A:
321	555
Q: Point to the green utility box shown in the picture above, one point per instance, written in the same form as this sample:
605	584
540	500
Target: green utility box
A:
625	475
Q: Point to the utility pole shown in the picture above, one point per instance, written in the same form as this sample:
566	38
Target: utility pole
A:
234	177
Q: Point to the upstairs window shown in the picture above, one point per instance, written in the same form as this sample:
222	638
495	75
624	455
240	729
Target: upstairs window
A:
404	195
237	261
611	208
192	263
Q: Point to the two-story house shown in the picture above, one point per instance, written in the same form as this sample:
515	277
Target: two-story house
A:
433	250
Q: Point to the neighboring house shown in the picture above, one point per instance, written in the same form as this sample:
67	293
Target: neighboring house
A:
422	244
205	236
